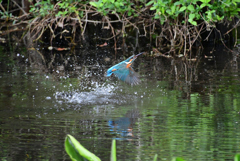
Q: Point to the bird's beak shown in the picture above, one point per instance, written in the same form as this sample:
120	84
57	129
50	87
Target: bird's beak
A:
139	54
108	75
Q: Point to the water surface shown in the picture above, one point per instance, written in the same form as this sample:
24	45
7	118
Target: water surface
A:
188	109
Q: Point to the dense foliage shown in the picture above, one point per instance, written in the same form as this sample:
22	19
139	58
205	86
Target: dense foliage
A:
176	23
191	10
203	10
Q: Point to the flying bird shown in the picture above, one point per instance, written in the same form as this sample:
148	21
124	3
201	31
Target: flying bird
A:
124	71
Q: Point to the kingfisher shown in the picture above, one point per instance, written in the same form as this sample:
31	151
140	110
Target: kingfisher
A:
124	71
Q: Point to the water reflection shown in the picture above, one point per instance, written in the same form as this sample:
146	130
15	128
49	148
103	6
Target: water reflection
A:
124	126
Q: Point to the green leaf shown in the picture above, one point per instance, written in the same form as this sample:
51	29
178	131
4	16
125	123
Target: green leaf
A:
178	159
76	151
162	20
194	1
121	4
192	16
113	151
169	11
173	8
205	1
198	16
153	8
74	155
194	23
237	157
100	5
162	10
209	15
190	8
155	157
177	3
203	5
183	8
117	4
149	3
157	16
219	18
93	4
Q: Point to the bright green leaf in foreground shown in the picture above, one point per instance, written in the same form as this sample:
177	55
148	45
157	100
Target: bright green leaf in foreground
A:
74	155
178	159
155	157
237	157
113	151
76	151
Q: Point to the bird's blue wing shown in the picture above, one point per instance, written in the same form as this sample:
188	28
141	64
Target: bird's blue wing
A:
132	78
127	74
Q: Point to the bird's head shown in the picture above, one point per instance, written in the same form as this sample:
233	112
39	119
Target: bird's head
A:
110	71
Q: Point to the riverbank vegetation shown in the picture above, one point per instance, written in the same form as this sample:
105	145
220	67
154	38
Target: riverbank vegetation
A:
170	27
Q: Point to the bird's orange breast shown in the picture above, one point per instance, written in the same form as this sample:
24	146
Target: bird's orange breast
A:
129	63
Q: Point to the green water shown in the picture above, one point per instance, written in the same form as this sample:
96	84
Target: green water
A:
184	109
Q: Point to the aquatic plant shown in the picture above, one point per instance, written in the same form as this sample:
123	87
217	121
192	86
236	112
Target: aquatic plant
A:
77	152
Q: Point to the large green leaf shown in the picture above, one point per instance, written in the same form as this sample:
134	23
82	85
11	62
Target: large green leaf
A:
237	157
74	155
76	151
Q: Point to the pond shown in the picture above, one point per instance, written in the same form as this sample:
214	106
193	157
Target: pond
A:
181	108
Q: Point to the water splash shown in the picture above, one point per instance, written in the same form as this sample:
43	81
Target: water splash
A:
96	94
